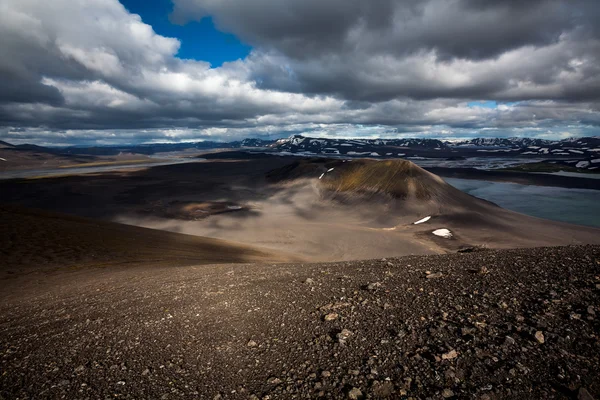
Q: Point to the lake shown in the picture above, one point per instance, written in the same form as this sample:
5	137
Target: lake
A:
577	206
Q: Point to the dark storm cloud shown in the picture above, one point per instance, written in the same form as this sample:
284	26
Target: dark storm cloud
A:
375	51
454	28
377	67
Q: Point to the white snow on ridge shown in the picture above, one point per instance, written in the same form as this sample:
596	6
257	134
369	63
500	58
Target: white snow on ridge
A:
422	220
330	169
582	164
596	160
322	175
445	233
576	151
3	159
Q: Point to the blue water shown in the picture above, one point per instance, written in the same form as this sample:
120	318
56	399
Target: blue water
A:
577	206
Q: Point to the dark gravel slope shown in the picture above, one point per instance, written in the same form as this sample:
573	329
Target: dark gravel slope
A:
484	325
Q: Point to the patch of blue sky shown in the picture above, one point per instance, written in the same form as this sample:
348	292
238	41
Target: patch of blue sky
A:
491	104
200	41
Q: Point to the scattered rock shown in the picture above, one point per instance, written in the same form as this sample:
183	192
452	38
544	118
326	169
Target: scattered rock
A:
583	394
309	281
355	394
434	275
510	341
373	286
274	380
447	354
344	335
383	390
539	336
452	354
331	317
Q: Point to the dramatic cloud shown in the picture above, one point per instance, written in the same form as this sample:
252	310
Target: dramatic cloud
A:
88	70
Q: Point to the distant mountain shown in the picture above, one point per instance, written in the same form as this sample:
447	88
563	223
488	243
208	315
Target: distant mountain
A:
503	142
585	143
582	153
257	143
355	147
146	149
4	145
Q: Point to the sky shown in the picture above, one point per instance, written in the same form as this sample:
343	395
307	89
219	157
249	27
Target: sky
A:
136	71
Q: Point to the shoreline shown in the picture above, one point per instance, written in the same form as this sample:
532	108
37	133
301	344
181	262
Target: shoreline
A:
522	178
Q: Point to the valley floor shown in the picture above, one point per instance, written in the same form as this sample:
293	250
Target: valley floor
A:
491	324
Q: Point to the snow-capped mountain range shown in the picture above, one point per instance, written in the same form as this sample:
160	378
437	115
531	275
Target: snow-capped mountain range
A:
583	152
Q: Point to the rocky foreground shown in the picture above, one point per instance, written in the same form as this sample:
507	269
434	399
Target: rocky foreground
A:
483	325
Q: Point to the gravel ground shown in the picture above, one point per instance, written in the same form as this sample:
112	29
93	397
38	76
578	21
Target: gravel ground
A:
483	325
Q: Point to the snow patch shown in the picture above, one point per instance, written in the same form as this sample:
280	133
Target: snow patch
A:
3	159
445	233
582	164
322	175
330	169
422	220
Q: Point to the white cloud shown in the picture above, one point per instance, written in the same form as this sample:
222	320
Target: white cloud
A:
90	70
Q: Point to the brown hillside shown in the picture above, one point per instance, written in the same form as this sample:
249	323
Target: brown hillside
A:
41	240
